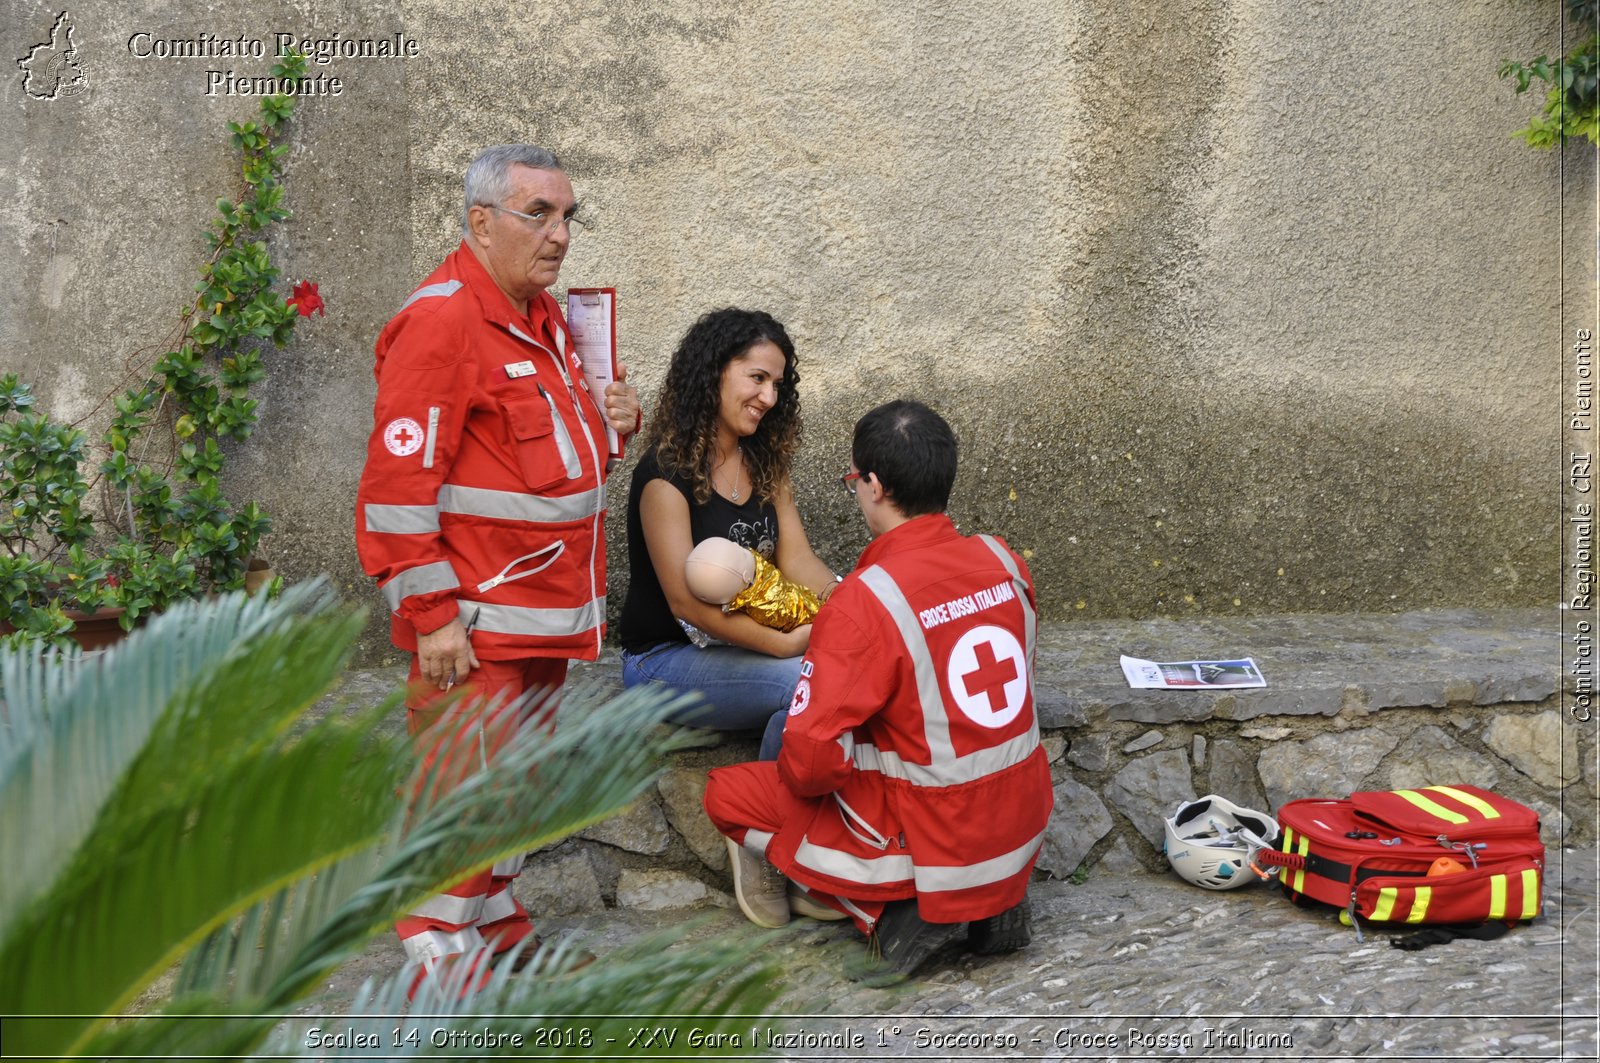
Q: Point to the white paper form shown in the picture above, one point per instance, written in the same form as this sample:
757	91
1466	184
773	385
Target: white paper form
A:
592	319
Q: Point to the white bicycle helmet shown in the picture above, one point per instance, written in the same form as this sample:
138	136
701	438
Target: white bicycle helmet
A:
1211	841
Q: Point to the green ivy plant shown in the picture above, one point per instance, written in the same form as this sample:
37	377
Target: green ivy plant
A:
170	533
1572	97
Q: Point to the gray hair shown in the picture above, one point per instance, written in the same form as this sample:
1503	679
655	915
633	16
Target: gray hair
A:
489	175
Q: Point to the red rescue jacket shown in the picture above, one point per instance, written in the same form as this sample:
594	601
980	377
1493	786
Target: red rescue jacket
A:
483	494
913	722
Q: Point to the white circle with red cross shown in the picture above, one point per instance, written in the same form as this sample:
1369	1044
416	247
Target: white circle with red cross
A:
802	697
402	436
988	676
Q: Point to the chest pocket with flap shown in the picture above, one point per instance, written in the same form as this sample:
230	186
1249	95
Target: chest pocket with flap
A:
544	446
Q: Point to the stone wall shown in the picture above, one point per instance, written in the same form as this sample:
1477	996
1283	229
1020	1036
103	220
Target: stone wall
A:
1237	307
1354	703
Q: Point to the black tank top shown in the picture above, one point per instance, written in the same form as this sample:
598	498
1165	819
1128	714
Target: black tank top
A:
646	620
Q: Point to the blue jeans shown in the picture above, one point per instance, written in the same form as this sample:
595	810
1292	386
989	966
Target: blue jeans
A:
743	690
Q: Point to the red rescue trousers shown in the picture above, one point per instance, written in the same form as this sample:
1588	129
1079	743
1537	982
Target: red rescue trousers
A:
480	908
746	798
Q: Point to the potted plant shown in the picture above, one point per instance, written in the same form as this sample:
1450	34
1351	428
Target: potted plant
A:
166	529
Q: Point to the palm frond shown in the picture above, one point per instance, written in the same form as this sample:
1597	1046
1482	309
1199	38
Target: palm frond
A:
62	753
657	982
539	788
183	808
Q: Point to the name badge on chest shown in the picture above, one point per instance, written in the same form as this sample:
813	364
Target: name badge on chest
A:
520	369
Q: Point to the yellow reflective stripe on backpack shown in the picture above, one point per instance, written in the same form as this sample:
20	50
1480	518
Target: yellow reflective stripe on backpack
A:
1385	906
1530	893
1497	897
1470	800
1419	904
1431	808
1299	883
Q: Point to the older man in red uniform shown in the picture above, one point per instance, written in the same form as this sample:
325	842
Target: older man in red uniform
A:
482	505
911	793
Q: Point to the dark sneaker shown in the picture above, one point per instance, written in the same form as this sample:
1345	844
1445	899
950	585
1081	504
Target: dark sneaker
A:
901	942
1009	931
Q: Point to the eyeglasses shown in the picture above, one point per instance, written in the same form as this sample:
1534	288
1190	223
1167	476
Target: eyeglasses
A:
848	481
546	222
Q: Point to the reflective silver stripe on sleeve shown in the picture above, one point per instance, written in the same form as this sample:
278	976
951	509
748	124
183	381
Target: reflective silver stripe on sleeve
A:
448	908
935	723
442	290
424	579
514	505
869	871
518	620
971	876
402	520
511	865
431	945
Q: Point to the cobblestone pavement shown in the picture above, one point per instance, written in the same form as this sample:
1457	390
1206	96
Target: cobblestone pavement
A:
1138	966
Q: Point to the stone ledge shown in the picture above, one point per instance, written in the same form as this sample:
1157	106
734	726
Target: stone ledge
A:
1355	701
1315	665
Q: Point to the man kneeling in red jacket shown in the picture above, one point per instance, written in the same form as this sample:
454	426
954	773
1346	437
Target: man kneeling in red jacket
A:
911	793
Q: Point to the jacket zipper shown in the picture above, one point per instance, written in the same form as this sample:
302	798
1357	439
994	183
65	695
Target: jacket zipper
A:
554	550
596	536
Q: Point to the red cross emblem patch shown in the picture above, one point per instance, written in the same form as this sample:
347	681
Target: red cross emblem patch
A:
402	436
987	673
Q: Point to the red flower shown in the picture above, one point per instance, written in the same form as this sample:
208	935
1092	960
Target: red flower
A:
306	300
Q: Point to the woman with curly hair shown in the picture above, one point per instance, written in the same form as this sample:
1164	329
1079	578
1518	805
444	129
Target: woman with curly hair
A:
716	463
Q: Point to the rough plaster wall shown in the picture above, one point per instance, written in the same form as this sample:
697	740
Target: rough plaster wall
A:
1211	291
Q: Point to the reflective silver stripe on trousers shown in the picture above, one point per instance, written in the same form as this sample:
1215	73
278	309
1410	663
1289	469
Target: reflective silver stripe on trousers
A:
424	579
498	907
757	841
874	871
513	505
444	289
519	620
432	945
971	876
976	765
511	865
448	908
402	520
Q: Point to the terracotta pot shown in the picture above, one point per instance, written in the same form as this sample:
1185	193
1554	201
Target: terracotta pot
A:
99	629
93	631
257	574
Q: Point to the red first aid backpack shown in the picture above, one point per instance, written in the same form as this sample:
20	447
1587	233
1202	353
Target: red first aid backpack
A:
1371	854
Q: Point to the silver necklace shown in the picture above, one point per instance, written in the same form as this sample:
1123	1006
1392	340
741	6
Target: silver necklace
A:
733	495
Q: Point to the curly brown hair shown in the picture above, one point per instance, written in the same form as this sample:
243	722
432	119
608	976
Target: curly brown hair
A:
683	427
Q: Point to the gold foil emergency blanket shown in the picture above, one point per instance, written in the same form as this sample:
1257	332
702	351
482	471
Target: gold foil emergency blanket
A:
774	600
